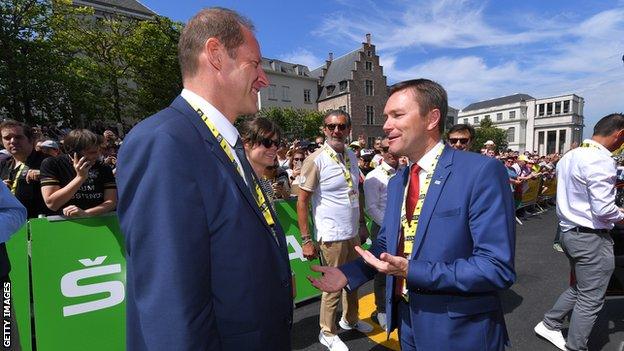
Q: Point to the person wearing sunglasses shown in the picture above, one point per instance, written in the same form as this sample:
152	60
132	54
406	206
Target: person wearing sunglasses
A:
460	137
261	138
329	183
296	161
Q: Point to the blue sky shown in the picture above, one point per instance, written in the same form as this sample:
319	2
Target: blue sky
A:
477	50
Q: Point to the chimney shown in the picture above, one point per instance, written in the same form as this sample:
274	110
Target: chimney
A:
331	57
368	39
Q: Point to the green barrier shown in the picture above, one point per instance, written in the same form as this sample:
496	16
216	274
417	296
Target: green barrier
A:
286	211
78	279
17	248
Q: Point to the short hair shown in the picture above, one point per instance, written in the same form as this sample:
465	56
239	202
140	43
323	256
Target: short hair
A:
609	124
258	128
78	140
461	128
428	94
215	22
338	113
11	123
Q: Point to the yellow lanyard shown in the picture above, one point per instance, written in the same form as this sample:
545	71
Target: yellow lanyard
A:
260	200
17	175
346	171
409	227
387	172
590	145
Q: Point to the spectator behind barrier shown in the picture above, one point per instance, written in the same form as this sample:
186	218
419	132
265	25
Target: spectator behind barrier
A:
78	183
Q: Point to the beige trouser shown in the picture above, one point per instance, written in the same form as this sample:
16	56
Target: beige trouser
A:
334	254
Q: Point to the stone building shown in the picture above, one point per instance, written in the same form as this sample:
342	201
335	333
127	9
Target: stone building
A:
290	85
544	125
127	8
355	83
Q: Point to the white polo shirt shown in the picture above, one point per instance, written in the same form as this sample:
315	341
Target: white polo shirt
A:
336	214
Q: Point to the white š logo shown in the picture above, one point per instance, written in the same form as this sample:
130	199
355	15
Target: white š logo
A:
70	287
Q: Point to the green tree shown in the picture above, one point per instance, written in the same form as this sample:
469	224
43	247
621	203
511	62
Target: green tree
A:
487	131
295	123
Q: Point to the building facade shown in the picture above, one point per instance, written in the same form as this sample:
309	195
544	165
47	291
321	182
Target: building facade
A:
356	84
128	8
545	125
290	86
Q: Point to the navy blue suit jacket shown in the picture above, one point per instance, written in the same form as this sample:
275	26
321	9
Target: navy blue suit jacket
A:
204	271
463	254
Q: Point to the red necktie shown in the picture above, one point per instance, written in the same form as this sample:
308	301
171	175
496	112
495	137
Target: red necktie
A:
413	191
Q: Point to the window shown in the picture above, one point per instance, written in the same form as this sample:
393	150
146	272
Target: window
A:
342	85
549	108
465	120
476	120
306	96
369	88
541	109
285	93
370	115
499	116
486	116
566	106
557	107
512	114
272	92
343	108
562	140
511	134
369	53
369	66
330	89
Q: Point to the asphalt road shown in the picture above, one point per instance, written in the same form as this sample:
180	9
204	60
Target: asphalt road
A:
542	275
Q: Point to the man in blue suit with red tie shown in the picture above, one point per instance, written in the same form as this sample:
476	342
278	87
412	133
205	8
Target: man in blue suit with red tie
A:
207	262
448	237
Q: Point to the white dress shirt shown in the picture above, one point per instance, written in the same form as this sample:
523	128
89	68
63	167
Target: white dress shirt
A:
376	191
586	188
223	125
426	161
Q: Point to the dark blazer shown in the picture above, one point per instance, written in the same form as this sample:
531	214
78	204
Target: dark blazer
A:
204	271
463	254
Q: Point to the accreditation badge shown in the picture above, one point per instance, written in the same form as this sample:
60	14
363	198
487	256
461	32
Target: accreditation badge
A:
354	198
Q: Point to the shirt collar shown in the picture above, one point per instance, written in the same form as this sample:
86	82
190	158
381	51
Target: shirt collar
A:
426	161
223	125
387	168
598	145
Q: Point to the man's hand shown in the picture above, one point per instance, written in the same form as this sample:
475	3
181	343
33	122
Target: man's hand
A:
81	166
74	211
388	264
8	183
333	280
32	176
309	250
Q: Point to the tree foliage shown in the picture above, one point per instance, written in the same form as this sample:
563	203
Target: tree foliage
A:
294	123
487	131
62	62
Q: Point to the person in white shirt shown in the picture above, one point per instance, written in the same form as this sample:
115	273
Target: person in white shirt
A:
329	181
375	197
587	211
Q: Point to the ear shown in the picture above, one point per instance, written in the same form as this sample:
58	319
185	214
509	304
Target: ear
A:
433	119
214	51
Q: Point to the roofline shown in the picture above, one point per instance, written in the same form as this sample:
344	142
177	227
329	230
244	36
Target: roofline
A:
336	59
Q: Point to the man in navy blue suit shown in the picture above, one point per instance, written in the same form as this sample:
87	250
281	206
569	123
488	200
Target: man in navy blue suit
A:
448	237
207	262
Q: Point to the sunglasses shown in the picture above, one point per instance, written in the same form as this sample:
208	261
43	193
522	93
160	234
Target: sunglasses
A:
268	142
462	141
298	159
333	126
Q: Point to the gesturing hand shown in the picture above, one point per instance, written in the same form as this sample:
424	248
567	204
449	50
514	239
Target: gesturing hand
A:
388	264
73	211
333	280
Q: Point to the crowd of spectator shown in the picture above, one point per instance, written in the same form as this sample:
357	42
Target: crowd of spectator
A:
79	177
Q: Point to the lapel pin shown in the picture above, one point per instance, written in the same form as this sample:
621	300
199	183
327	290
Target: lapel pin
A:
437	182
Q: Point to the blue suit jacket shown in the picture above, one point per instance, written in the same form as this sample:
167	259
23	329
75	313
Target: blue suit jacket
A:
204	271
463	254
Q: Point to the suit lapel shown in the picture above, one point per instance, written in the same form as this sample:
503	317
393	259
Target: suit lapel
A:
213	145
440	174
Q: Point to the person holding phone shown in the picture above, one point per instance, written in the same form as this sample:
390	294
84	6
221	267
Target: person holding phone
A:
296	161
77	184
